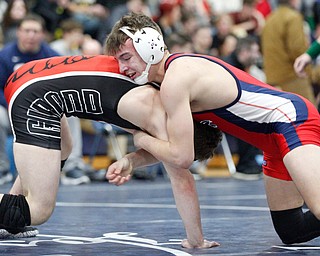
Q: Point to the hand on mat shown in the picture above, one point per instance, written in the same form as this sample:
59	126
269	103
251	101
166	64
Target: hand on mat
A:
119	172
206	244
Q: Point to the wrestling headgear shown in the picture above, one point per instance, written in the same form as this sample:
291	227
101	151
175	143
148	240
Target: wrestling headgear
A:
149	44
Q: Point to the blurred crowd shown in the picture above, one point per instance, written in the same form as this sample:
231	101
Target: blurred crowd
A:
261	37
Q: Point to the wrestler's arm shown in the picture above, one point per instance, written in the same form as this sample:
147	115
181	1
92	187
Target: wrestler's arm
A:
178	150
184	191
182	181
186	199
121	171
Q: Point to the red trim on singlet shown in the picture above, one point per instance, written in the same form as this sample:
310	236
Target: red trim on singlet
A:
58	65
235	72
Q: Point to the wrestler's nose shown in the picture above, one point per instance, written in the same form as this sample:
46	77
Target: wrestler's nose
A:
123	68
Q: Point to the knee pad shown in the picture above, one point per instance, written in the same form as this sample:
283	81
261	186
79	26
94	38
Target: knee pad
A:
295	226
14	212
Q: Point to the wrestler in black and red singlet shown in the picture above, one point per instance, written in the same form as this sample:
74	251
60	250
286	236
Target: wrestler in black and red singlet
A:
41	91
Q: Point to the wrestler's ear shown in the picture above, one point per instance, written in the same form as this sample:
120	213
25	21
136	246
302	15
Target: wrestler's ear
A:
148	43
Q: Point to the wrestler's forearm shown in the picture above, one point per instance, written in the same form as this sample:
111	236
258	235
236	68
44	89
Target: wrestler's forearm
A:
141	158
178	157
186	198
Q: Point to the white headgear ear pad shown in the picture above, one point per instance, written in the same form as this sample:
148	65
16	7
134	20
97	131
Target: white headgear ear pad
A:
148	43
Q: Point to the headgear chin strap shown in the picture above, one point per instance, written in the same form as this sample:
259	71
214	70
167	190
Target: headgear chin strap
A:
149	44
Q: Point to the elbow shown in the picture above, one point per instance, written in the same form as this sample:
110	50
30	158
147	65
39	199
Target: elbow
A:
182	160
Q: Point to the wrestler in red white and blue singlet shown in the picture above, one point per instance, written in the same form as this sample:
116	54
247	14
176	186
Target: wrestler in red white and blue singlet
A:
272	120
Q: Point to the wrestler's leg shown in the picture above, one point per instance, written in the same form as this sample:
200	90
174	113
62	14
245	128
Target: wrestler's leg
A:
303	164
39	172
281	194
16	188
66	139
285	198
66	147
292	224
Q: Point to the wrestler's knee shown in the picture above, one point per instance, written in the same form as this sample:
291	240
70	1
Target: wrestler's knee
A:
316	211
14	211
295	226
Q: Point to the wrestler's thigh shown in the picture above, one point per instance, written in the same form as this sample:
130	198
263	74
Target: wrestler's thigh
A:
281	194
66	139
303	164
39	172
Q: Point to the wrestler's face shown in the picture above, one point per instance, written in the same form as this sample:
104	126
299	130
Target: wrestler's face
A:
130	62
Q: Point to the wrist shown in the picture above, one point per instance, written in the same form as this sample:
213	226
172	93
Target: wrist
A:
314	50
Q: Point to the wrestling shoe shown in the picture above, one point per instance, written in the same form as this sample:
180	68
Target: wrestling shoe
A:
248	174
24	232
74	177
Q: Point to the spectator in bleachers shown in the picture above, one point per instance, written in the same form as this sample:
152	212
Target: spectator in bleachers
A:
248	21
91	46
72	38
222	29
189	22
90	13
202	40
169	19
200	9
264	7
15	12
53	12
283	40
179	43
137	6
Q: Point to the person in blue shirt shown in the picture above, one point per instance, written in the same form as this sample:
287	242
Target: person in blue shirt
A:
29	45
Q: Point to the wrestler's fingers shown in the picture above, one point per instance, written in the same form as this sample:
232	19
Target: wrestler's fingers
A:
206	244
110	176
209	244
124	180
115	180
113	171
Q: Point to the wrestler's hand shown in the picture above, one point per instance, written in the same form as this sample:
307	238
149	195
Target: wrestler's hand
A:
119	172
206	244
300	63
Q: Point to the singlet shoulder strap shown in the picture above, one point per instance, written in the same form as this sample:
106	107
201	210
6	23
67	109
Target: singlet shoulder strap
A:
175	56
171	58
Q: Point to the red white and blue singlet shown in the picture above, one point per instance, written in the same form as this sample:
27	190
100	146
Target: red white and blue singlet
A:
272	120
